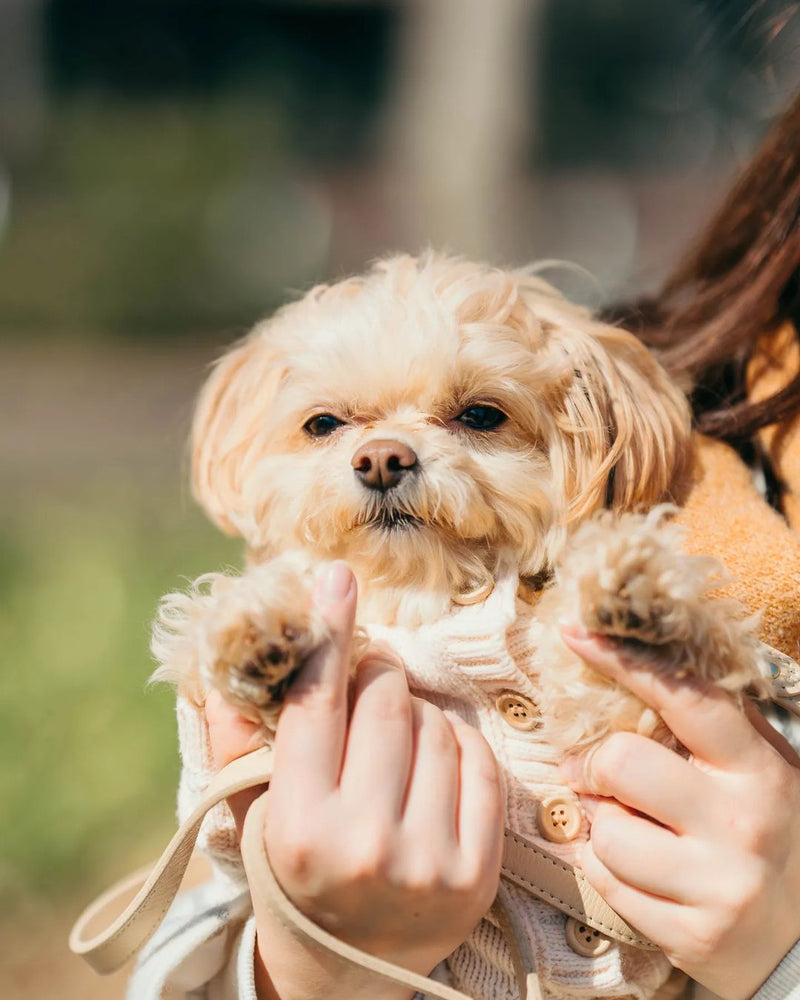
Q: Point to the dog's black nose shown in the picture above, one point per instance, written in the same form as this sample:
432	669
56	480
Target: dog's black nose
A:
380	465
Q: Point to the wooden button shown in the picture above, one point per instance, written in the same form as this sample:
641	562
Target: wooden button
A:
475	595
585	940
558	819
518	711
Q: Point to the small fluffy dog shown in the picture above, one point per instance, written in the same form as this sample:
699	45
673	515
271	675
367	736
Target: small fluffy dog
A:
490	461
441	426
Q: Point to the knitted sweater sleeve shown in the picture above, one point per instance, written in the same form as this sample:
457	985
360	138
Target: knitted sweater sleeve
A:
203	950
784	983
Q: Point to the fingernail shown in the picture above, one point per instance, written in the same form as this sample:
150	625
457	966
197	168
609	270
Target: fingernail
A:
576	635
453	717
574	630
336	583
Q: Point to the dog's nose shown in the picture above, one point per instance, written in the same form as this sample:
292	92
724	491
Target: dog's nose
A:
380	465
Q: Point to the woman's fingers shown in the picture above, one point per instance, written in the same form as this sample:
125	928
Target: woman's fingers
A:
313	737
717	890
481	813
655	917
310	740
232	735
432	798
623	767
642	854
704	718
771	735
379	741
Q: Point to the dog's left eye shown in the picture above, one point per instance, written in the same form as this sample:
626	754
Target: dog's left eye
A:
322	425
482	418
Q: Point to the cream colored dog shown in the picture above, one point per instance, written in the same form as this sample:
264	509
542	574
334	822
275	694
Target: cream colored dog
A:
437	424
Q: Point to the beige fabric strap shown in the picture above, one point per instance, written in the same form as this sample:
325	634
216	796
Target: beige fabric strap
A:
565	887
117	924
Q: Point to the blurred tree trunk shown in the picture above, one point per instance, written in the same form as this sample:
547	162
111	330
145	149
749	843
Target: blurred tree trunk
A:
461	126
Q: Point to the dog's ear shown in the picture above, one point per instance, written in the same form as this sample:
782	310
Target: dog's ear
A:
624	426
229	431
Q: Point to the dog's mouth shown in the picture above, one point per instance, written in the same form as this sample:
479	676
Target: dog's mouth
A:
390	519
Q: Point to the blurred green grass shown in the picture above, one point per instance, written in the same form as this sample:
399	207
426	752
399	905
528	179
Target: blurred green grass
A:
90	760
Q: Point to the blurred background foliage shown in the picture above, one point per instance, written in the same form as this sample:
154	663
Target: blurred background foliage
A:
171	170
73	630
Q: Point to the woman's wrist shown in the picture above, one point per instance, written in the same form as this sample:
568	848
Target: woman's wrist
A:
293	971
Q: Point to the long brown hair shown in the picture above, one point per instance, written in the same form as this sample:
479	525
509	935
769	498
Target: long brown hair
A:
740	280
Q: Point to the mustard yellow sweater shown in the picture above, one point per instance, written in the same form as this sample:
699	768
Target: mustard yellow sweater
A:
726	516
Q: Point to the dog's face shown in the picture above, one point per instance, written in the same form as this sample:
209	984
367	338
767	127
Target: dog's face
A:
420	420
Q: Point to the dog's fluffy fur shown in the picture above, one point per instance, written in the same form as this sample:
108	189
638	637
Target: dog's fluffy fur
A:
410	353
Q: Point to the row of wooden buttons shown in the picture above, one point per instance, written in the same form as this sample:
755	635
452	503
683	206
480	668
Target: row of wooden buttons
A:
558	818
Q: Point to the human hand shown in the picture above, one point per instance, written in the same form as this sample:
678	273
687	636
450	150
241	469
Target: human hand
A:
701	855
384	825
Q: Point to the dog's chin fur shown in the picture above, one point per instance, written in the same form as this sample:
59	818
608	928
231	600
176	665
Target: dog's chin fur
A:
439	537
399	354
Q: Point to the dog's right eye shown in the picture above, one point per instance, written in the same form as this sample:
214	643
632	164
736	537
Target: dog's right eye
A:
322	425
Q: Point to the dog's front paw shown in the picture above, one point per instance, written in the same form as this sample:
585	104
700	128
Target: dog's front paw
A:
629	604
255	656
633	581
260	631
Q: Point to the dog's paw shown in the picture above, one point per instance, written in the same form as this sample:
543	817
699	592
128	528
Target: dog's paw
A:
631	606
634	582
255	657
260	631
